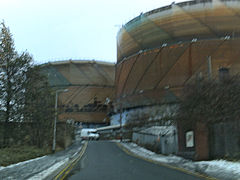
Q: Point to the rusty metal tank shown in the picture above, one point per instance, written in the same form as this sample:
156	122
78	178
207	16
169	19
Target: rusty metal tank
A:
160	51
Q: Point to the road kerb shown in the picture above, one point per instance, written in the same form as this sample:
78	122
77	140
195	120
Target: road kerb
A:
163	164
68	168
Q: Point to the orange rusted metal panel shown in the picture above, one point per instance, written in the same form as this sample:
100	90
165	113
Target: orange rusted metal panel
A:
188	33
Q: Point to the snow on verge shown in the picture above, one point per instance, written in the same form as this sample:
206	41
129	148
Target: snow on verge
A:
49	171
41	167
22	163
221	169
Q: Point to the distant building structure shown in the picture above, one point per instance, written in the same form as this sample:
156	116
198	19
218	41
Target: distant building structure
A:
160	51
90	87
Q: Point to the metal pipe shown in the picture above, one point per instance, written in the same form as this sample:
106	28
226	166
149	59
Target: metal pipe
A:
121	132
209	61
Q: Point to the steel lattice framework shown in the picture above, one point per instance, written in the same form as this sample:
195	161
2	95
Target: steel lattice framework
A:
89	83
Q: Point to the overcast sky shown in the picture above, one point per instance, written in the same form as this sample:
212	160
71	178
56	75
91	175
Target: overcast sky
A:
71	29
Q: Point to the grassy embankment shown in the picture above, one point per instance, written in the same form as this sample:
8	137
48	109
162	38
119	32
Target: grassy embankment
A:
17	154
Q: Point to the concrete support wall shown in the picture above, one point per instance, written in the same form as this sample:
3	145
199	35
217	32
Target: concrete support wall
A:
148	113
225	140
218	140
202	142
167	144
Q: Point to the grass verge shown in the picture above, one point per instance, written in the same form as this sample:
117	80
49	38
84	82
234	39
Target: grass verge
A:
17	154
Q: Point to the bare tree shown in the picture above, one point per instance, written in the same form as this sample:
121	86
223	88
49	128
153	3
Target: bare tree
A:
210	101
38	107
26	99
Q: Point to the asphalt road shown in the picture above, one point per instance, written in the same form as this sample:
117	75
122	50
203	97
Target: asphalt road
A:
106	161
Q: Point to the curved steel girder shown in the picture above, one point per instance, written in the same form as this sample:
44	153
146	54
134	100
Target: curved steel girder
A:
74	95
102	72
157	84
170	36
82	72
129	73
212	30
147	68
118	78
131	36
230	9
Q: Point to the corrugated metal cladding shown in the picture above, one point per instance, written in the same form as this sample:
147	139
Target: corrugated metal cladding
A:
161	50
89	83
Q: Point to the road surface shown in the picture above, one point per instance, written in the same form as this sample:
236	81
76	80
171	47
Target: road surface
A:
106	161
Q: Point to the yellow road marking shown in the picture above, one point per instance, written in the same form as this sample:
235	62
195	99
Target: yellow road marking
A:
69	167
163	164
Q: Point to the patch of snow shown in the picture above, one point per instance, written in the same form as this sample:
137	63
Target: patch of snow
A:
22	163
115	140
221	169
148	152
159	130
39	167
79	149
44	174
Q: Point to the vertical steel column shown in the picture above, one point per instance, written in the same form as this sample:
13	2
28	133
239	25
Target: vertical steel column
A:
209	61
190	61
121	133
117	77
55	124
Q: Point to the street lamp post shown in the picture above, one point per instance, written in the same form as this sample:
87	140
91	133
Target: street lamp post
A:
121	130
55	118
